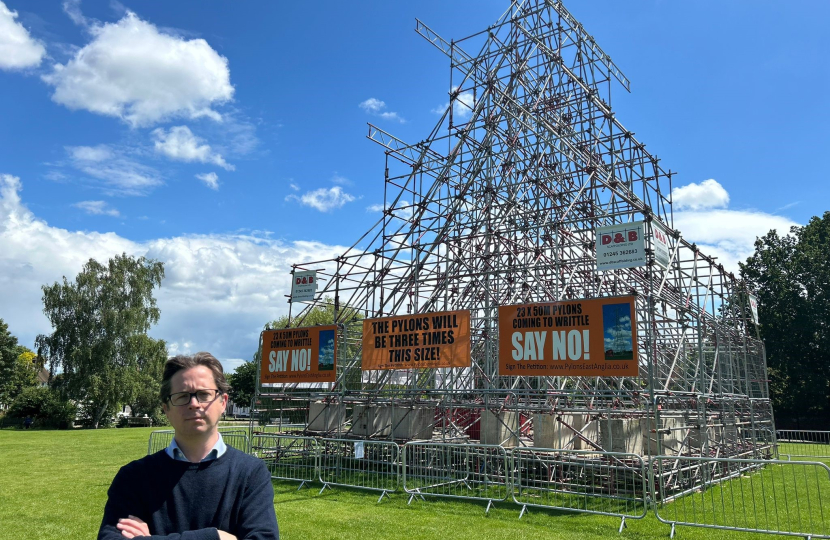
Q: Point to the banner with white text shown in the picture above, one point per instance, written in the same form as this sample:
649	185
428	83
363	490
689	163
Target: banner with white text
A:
588	337
292	355
427	340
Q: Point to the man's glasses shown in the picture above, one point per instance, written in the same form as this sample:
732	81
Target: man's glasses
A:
180	399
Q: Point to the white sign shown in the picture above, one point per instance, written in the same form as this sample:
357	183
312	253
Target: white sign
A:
753	306
358	450
304	286
621	246
660	245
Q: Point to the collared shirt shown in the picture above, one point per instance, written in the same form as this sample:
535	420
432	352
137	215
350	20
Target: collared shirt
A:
176	453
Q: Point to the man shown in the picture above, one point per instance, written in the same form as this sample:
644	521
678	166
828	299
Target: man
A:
197	488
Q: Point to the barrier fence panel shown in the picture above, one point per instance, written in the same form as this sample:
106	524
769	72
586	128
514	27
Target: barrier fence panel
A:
462	471
159	440
288	457
279	428
235	437
804	444
364	464
767	496
609	483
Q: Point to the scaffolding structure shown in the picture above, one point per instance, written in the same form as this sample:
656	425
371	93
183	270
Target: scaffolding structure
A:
499	205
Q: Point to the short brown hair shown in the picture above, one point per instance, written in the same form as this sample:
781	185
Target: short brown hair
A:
180	362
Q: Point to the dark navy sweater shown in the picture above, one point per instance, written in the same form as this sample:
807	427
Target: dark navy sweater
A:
190	501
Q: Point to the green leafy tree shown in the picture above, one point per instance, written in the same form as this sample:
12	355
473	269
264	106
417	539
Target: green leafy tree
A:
45	406
26	370
318	315
792	276
145	399
243	383
18	367
8	359
29	358
100	340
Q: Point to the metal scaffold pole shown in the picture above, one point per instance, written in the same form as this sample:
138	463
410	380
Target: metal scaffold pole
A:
499	205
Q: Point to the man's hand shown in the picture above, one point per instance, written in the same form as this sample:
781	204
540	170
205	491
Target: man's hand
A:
132	526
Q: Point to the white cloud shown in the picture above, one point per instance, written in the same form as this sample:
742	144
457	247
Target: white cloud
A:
133	71
55	176
210	179
323	199
403	209
372	105
728	234
238	131
218	290
118	173
72	8
97	208
707	194
294	186
17	48
462	106
182	145
230	364
341	180
90	154
787	206
376	107
701	217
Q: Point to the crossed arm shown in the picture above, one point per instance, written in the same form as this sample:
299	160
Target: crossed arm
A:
133	526
253	520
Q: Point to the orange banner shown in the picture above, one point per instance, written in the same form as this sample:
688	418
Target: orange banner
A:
293	355
589	337
427	340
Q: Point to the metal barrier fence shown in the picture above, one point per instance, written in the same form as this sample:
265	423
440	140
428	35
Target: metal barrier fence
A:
363	464
802	443
288	457
766	496
608	483
279	428
237	438
789	497
461	471
159	440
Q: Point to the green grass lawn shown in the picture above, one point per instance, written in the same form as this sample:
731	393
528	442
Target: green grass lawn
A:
53	486
792	497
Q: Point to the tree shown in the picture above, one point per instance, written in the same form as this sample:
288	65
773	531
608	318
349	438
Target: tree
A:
25	372
145	399
243	383
100	340
8	359
18	369
792	276
45	406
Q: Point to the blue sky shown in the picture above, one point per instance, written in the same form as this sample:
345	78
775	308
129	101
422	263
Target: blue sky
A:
228	139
